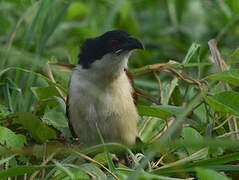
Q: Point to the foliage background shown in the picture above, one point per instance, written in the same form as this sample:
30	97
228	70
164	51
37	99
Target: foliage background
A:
33	32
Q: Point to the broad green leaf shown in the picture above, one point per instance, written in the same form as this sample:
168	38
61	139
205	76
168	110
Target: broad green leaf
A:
230	77
153	111
37	129
57	120
44	92
190	133
209	174
48	96
226	102
10	139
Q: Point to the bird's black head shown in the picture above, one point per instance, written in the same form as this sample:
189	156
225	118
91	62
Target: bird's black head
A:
116	41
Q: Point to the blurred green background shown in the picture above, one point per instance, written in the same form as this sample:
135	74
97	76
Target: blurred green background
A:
33	32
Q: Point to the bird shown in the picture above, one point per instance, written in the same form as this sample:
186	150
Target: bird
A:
100	98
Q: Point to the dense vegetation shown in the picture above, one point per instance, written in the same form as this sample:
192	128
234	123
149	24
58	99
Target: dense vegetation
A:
186	79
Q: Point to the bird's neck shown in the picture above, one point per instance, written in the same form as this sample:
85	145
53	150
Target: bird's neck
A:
104	71
100	78
99	85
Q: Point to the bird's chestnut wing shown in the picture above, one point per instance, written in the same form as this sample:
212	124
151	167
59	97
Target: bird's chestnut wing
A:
131	80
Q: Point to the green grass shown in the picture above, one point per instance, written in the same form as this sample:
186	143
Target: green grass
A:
189	112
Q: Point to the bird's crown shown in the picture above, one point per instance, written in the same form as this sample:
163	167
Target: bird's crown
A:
116	41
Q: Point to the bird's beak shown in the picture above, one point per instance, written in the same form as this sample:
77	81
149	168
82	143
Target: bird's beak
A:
134	43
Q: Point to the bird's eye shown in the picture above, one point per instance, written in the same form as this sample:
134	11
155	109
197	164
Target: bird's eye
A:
114	42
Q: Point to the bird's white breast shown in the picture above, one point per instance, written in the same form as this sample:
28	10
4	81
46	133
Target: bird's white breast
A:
106	103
